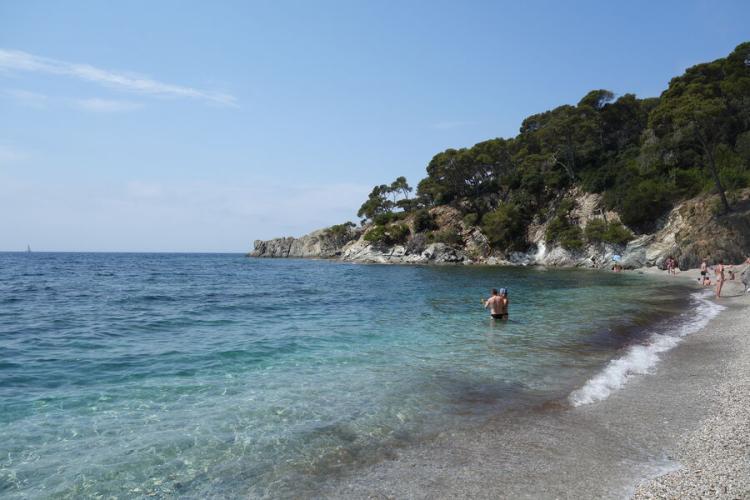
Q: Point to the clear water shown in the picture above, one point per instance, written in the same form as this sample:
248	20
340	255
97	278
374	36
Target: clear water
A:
217	375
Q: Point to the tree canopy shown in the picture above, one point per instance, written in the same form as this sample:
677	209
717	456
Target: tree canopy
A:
643	155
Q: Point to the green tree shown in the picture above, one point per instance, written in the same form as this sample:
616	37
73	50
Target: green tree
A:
643	155
706	119
505	227
424	221
466	174
706	107
340	233
400	186
377	203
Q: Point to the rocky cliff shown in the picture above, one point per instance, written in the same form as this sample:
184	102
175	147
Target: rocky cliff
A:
323	243
690	232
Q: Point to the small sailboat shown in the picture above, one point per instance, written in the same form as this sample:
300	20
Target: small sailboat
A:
28	248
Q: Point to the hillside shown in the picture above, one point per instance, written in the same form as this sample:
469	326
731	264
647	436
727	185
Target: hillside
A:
637	177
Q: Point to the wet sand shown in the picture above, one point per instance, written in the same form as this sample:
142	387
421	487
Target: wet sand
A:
661	423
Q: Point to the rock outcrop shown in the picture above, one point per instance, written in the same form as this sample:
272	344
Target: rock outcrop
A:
323	243
690	232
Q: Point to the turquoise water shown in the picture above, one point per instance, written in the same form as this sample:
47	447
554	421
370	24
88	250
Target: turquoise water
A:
217	375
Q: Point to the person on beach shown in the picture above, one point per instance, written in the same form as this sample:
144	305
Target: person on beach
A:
719	270
670	265
704	271
498	304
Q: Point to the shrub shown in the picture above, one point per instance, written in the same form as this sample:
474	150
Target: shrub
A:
471	219
398	233
716	206
393	234
595	230
571	238
598	231
504	227
423	221
617	234
376	235
644	203
448	236
561	230
388	217
340	232
689	182
742	146
733	178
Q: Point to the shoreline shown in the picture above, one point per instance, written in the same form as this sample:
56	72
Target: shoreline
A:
610	448
655	271
714	459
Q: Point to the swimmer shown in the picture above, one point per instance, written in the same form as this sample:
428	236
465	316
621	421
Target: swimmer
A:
498	304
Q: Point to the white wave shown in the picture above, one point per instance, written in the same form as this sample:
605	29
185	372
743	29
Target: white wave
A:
641	359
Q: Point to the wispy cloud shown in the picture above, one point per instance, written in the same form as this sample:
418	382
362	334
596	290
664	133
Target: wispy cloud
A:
10	154
448	124
141	189
16	60
27	98
98	105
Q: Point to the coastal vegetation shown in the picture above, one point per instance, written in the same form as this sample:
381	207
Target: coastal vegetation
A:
339	232
391	234
642	155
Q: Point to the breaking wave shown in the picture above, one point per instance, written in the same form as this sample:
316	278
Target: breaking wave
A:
640	359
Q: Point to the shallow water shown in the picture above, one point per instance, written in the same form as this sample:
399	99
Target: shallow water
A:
217	375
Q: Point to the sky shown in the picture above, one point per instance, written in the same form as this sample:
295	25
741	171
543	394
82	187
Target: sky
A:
195	126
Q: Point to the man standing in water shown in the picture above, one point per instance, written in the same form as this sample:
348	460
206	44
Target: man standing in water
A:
498	304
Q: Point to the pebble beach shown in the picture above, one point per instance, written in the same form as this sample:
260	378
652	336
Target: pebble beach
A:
714	460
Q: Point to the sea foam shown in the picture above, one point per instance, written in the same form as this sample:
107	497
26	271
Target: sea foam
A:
642	358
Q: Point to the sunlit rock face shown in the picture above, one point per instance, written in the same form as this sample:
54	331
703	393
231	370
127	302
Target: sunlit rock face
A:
690	232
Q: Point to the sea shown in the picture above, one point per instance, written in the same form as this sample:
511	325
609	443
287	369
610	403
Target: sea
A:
221	376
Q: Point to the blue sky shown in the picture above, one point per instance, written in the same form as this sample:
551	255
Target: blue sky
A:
200	126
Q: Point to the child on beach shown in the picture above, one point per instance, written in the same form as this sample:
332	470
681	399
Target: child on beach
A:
704	271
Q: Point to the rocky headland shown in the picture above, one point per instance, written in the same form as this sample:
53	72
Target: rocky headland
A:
611	178
690	231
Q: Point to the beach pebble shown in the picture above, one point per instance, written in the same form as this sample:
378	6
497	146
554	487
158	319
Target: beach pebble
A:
715	460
